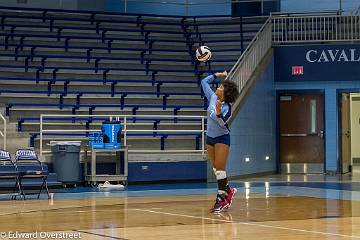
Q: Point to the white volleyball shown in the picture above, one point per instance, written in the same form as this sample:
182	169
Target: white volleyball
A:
203	53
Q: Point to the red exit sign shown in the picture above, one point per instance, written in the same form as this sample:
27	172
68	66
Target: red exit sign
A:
297	70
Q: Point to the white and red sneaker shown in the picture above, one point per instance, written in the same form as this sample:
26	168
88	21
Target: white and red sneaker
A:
230	196
220	204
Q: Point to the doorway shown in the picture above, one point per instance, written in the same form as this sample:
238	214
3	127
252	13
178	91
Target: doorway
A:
354	132
345	130
301	133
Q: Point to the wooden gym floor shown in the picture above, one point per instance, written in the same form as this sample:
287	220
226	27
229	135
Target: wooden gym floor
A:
259	211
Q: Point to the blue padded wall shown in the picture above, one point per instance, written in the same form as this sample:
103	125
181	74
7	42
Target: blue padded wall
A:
206	7
167	171
253	129
175	7
317	5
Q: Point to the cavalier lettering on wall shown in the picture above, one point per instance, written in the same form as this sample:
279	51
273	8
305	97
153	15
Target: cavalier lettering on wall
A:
320	63
333	55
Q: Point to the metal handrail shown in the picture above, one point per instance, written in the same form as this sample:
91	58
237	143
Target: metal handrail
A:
130	130
125	130
3	132
332	28
307	13
250	58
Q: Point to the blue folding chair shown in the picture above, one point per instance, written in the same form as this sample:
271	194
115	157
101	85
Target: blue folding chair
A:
30	167
8	170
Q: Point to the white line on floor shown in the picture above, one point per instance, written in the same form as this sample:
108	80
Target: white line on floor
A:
246	223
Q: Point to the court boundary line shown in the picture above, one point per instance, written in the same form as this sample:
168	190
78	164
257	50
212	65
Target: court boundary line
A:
100	235
246	223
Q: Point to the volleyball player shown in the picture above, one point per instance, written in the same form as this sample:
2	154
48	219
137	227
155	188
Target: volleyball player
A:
218	134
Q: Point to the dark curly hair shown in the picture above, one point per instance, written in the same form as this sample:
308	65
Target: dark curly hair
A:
231	91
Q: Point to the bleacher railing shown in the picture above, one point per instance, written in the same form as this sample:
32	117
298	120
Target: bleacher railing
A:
125	121
245	66
315	28
3	131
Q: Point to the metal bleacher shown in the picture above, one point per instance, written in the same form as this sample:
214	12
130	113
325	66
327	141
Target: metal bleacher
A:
66	62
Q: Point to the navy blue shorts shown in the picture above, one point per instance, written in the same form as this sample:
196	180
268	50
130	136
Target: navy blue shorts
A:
225	139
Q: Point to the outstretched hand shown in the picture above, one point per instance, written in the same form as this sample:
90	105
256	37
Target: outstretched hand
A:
221	74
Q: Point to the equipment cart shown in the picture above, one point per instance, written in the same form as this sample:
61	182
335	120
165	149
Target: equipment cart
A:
121	172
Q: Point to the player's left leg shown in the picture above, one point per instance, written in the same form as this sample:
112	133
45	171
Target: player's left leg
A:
221	155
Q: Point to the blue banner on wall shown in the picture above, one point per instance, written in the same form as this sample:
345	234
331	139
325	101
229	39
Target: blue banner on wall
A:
317	63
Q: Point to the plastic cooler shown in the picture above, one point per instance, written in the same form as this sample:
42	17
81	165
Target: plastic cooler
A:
111	131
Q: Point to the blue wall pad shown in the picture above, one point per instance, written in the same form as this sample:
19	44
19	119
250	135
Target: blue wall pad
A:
162	171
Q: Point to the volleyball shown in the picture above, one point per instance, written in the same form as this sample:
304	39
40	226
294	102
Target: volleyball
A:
203	53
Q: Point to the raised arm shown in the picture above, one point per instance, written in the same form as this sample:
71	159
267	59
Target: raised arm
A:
205	83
